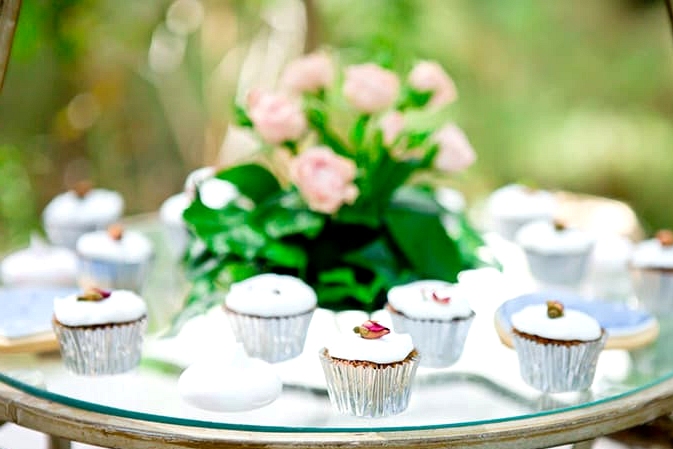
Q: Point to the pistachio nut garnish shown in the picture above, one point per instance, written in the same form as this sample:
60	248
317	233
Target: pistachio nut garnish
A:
554	309
94	295
371	330
559	225
115	231
665	237
81	188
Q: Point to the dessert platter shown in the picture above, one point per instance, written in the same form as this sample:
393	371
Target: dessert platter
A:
526	355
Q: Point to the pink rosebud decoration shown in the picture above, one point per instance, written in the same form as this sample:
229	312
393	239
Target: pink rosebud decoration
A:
429	76
308	74
441	298
324	179
392	125
371	330
370	88
455	152
276	117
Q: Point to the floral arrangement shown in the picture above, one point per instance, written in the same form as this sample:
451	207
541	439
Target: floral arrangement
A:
336	197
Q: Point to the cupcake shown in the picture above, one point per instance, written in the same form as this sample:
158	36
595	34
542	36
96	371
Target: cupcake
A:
651	269
270	313
557	348
437	316
369	373
514	205
114	259
100	332
170	215
78	211
556	255
39	265
609	268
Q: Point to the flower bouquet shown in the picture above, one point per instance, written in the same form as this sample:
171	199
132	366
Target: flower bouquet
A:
337	195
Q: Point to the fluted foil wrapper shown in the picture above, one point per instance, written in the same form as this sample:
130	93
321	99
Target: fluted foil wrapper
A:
440	342
368	391
110	275
556	368
654	289
273	339
558	269
67	235
98	350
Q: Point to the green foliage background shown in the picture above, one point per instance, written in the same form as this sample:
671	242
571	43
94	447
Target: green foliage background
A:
567	94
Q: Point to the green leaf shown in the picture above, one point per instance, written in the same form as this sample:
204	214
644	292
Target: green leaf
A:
379	257
252	180
411	98
281	222
359	128
241	117
284	255
420	235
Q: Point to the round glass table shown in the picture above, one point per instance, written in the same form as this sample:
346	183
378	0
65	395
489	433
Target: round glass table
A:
479	402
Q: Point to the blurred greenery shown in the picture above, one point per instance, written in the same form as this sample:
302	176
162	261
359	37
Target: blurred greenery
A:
568	94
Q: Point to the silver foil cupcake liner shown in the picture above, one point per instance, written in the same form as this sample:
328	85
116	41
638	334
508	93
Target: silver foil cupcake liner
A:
439	342
104	349
653	289
273	339
67	235
557	368
558	269
371	391
111	275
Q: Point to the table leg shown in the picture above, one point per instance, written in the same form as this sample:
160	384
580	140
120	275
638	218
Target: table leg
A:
58	443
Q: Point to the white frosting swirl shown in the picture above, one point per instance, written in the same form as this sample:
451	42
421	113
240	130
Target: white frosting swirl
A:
98	206
271	294
573	325
39	264
172	208
133	247
120	307
542	237
415	300
390	348
517	201
651	253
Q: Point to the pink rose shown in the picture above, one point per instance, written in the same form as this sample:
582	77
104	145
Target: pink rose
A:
276	117
308	74
370	88
455	152
324	179
392	125
428	76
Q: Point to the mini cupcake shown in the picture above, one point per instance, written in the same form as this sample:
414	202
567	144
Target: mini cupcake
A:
370	373
270	313
609	268
556	255
78	211
39	265
557	349
114	259
170	215
651	269
100	332
512	206
436	314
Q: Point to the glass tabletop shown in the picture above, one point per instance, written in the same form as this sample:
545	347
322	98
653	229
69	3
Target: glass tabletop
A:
484	386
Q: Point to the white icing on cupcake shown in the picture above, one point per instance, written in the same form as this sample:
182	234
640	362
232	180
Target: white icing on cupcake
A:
120	307
235	383
652	254
517	201
172	209
414	300
133	247
216	193
542	237
98	206
390	348
450	199
271	294
195	178
573	325
39	264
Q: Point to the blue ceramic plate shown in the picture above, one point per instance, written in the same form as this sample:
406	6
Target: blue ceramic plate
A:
26	311
621	322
